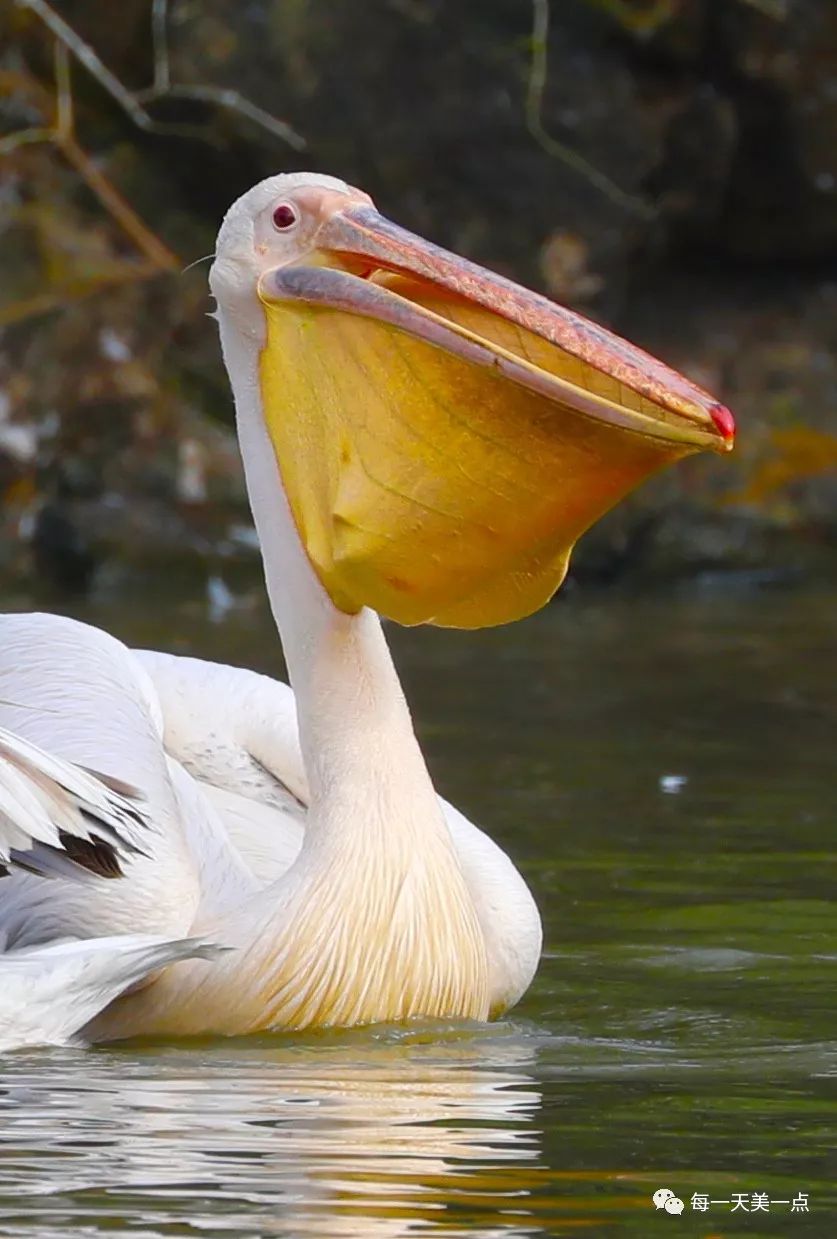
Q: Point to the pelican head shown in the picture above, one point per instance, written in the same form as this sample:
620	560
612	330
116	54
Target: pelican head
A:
443	435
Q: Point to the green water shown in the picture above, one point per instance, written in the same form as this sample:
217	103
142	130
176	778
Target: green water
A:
664	772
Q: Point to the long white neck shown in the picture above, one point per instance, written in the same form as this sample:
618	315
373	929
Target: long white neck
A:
356	734
374	920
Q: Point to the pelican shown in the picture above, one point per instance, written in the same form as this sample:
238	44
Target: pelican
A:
424	441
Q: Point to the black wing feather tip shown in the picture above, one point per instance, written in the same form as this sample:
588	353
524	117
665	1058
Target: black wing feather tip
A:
96	855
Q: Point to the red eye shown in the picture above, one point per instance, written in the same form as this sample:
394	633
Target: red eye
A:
284	216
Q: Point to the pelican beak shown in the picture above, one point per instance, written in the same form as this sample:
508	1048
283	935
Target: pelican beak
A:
444	435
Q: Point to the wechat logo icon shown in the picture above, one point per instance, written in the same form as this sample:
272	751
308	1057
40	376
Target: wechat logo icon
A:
664	1198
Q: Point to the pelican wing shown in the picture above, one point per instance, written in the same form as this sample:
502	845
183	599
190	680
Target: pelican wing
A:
231	728
235	733
85	785
57	819
50	993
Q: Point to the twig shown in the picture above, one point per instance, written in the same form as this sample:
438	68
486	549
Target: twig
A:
775	9
61	135
85	55
146	242
67	43
43	303
160	42
26	137
234	102
132	102
64	94
534	121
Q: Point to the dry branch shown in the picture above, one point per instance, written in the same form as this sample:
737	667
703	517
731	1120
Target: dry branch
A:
553	146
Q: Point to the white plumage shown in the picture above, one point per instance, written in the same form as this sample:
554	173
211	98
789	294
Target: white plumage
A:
214	817
47	808
50	993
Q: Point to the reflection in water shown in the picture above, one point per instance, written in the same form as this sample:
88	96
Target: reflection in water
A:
350	1136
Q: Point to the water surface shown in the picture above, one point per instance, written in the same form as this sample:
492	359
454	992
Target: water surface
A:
664	772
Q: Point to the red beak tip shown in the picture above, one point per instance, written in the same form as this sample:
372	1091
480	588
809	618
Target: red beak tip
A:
724	421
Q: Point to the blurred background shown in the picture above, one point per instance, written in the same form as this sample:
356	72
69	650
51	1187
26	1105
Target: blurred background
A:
666	166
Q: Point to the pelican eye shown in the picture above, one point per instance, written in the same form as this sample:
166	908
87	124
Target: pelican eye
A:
284	217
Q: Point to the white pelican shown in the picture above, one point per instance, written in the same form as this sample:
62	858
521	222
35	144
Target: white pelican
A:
421	439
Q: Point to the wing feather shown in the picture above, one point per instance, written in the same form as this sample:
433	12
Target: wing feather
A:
59	820
50	993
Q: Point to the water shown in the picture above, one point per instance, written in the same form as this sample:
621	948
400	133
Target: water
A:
663	770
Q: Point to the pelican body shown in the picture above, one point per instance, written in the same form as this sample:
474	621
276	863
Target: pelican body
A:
422	440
